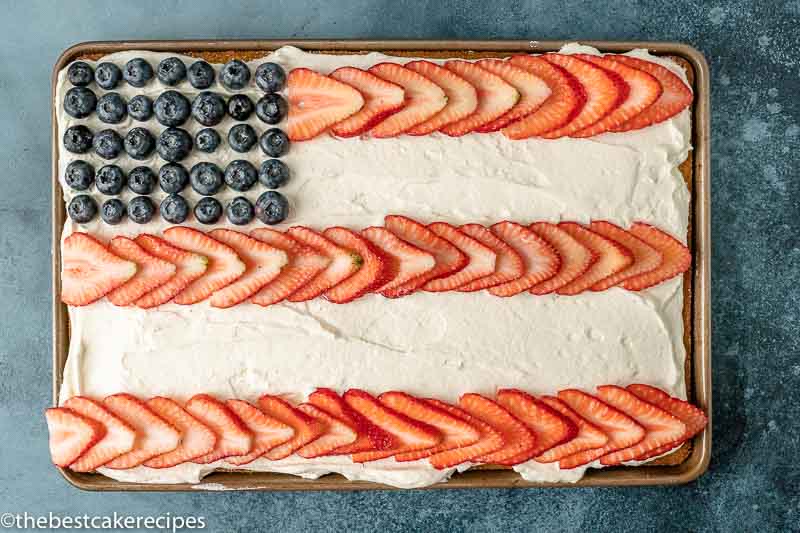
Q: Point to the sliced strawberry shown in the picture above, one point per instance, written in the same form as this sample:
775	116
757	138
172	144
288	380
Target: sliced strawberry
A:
642	90
489	442
343	263
224	266
675	257
381	99
370	436
449	259
306	428
371	273
336	434
152	272
462	98
154	435
567	98
519	441
532	89
481	260
588	437
424	99
267	432
540	260
71	434
263	263
189	266
403	262
621	429
610	258
89	271
197	439
549	426
575	257
233	436
304	264
675	95
317	102
118	437
645	257
508	266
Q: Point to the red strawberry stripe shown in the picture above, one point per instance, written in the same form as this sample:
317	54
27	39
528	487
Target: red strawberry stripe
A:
89	271
317	102
675	257
645	257
189	267
462	98
540	260
371	273
549	427
519	441
532	89
267	432
370	436
306	428
481	259
588	437
403	262
610	258
575	257
489	442
508	266
118	437
233	437
151	273
693	418
337	433
71	434
381	99
197	439
343	264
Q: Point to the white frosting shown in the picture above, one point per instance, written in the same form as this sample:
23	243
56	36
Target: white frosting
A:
439	345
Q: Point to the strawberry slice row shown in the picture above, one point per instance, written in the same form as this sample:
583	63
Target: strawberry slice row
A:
547	96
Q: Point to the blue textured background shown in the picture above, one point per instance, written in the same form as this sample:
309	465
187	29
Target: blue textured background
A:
753	47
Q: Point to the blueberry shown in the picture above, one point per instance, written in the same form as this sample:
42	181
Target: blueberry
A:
173	178
274	142
171	71
242	137
207	140
174	144
272	207
140	107
208	108
208	210
174	209
141	209
78	139
80	74
273	173
112	211
82	208
201	75
240	175
239	211
79	175
240	107
206	178
79	102
107	76
107	144
271	108
171	108
141	180
270	77
139	143
137	72
111	108
234	75
110	180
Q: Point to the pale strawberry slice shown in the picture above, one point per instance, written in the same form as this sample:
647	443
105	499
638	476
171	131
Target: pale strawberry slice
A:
152	272
532	89
304	264
233	436
403	262
263	263
495	97
675	95
575	257
662	428
549	426
343	264
588	437
610	258
408	435
89	271
335	435
71	434
306	428
519	441
508	267
267	432
642	90
154	435
189	266
603	91
317	102
567	98
675	257
371	273
645	257
381	99
489	442
224	266
370	436
621	429
462	98
197	439
449	259
118	436
481	260
424	99
456	433
540	260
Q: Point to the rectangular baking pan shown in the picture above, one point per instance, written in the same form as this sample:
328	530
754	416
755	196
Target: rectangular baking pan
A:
696	455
